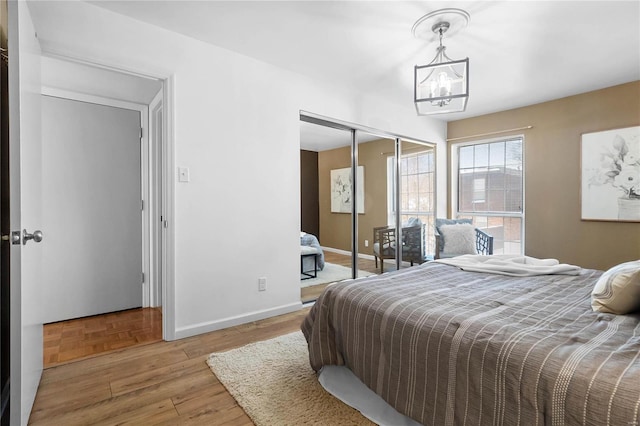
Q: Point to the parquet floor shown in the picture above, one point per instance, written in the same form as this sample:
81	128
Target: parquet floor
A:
162	383
70	340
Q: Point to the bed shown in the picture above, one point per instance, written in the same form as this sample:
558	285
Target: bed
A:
310	240
445	346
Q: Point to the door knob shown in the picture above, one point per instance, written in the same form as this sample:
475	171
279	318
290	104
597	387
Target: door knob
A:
36	236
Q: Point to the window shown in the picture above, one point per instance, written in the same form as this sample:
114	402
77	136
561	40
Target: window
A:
417	189
490	188
479	190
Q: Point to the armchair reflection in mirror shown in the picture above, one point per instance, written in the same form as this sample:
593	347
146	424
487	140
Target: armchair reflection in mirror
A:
413	243
456	237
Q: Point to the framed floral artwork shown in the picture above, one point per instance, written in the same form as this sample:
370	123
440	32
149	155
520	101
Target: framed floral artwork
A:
610	166
341	198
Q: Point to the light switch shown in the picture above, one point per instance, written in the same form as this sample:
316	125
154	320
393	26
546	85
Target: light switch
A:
183	174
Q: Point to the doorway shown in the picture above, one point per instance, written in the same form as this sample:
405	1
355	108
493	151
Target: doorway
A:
108	220
92	204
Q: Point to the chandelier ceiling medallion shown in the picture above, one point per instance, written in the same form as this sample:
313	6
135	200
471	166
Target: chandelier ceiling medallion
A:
442	86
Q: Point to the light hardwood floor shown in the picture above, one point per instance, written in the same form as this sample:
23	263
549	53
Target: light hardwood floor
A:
165	383
68	341
91	378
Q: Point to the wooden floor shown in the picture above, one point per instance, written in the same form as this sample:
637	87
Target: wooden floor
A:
345	260
165	383
113	369
363	264
75	339
70	340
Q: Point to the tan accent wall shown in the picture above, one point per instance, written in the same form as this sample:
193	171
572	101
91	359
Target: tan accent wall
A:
4	19
553	225
335	228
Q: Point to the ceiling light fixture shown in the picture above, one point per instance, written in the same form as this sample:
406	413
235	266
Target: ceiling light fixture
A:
441	86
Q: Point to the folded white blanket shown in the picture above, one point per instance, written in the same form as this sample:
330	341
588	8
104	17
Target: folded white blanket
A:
512	265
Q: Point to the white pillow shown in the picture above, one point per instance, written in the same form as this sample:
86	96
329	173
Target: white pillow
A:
459	239
618	289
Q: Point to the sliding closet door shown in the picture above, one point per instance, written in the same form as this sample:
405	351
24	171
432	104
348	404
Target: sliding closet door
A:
326	221
376	224
335	180
376	196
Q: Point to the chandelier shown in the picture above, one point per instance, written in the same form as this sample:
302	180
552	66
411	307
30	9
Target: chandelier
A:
442	86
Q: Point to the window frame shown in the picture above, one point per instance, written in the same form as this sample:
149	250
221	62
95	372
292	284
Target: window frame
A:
454	190
391	195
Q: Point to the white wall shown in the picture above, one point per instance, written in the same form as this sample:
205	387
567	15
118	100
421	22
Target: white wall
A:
237	129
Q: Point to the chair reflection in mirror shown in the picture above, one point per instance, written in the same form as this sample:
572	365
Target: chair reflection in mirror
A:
413	243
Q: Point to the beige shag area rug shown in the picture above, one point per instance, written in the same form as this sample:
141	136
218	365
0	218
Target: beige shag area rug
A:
275	385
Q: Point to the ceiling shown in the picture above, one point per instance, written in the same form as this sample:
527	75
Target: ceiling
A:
520	52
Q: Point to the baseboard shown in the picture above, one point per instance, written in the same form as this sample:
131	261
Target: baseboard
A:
207	327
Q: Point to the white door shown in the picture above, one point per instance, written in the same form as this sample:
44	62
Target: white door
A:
25	160
92	262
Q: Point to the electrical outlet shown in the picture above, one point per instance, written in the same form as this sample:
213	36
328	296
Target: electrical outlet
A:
366	243
262	284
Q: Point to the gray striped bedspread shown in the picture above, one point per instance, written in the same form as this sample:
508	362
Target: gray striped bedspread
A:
448	347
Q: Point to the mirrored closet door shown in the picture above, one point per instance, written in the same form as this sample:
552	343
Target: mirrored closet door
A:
416	201
367	203
376	226
326	219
